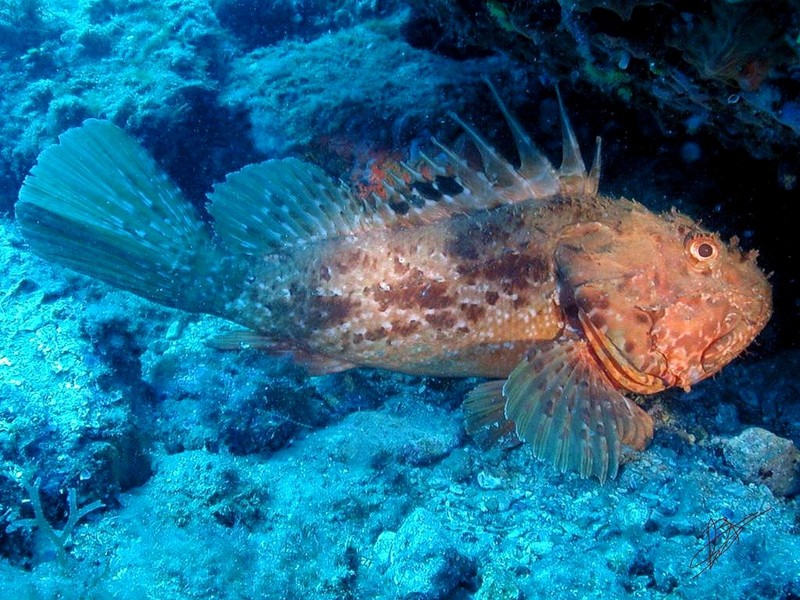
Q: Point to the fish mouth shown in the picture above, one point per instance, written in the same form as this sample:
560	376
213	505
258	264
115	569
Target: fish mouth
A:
749	315
619	368
727	346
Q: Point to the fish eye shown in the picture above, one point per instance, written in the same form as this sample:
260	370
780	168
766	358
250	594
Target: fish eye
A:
702	248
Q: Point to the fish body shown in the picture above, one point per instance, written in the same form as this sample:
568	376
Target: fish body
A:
464	296
566	299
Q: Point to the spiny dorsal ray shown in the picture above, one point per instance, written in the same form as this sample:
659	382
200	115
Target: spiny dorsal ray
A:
534	166
572	171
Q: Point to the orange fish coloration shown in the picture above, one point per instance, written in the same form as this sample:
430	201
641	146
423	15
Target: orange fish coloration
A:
567	300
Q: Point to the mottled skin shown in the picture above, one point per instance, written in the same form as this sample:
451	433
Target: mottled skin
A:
460	297
470	295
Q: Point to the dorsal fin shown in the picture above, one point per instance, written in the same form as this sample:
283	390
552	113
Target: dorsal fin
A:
277	203
287	202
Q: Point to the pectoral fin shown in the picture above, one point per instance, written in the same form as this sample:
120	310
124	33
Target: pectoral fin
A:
560	401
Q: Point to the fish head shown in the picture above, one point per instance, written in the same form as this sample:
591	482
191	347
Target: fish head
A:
661	301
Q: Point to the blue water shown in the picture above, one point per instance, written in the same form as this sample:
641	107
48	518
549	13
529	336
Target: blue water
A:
140	461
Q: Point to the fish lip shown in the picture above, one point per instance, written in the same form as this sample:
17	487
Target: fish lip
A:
616	366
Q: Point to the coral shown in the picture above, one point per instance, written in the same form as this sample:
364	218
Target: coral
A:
735	44
705	57
168	59
59	538
19	12
24	24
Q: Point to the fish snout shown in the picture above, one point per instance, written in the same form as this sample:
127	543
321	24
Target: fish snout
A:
747	316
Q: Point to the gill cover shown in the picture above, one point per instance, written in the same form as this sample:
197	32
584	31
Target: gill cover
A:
607	290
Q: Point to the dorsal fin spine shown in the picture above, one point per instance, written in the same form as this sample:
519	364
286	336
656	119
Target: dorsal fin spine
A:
399	181
493	164
593	183
572	164
533	164
415	175
434	166
468	177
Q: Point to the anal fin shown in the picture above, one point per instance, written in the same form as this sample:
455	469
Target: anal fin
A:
484	416
313	363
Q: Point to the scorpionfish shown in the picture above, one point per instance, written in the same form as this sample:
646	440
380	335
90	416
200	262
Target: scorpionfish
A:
572	304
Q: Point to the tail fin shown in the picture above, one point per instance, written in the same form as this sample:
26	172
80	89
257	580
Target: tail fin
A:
98	204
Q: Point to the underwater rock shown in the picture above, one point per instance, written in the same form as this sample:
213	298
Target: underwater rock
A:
258	23
170	59
425	561
761	457
429	447
763	393
300	102
498	584
211	488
